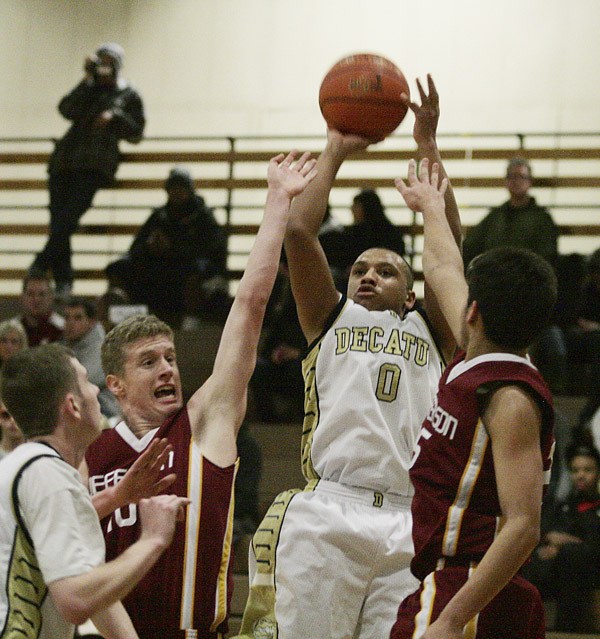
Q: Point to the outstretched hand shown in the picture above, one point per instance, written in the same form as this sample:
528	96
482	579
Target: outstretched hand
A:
289	174
427	114
143	479
423	193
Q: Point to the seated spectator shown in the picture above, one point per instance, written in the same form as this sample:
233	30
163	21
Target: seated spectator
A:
84	336
12	339
334	240
371	227
38	318
177	261
583	334
247	515
10	434
566	564
278	371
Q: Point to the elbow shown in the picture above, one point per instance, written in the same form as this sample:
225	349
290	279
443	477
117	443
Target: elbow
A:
254	302
75	611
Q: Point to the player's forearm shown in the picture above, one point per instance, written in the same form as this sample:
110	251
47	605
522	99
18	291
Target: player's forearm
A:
506	555
106	501
263	262
82	597
114	623
308	208
440	250
429	149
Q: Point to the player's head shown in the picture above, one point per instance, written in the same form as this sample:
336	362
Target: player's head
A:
138	357
39	384
513	290
583	462
381	280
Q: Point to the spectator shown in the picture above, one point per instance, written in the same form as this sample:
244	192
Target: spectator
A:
12	339
10	434
104	109
50	538
278	371
583	335
40	322
566	565
371	227
84	336
333	238
521	222
177	262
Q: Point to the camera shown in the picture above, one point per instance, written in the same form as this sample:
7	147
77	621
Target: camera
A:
98	69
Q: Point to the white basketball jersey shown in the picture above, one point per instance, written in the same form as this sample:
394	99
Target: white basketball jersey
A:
370	380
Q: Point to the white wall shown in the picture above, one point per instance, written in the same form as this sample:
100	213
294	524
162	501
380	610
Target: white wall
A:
254	66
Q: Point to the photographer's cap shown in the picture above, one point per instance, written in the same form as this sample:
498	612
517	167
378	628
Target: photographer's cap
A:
115	52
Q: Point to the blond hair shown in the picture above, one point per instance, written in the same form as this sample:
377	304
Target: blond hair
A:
127	332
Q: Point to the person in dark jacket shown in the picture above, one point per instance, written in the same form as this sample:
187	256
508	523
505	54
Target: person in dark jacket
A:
176	264
519	222
104	109
566	564
522	223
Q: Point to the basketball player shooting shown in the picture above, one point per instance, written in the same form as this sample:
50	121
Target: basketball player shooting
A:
371	373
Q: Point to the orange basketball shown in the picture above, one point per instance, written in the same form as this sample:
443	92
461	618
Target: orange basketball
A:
361	94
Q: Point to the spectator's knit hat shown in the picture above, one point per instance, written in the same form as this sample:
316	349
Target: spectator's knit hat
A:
180	177
115	52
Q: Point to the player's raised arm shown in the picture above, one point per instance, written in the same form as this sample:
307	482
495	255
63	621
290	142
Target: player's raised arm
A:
221	401
442	260
427	116
311	280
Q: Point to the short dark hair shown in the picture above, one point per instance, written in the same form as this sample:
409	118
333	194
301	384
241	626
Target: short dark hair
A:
89	308
515	291
38	276
372	205
518	161
33	384
582	450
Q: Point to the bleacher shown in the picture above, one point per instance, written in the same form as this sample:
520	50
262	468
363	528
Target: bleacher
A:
231	175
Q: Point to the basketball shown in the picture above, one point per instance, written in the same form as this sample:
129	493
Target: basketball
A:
361	94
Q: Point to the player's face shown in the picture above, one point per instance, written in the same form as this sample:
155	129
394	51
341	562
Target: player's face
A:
150	386
584	473
91	417
8	426
379	282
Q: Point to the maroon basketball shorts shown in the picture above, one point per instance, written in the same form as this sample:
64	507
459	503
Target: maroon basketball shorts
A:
516	612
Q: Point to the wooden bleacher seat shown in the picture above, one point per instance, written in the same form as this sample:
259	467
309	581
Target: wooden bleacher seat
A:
230	173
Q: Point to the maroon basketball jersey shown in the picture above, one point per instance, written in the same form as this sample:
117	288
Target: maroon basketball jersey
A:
456	508
191	584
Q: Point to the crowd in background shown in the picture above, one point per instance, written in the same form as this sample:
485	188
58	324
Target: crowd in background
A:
176	268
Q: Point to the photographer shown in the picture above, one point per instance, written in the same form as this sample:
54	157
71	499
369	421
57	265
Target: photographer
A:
104	109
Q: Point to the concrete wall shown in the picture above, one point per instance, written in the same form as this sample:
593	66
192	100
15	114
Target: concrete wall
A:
254	66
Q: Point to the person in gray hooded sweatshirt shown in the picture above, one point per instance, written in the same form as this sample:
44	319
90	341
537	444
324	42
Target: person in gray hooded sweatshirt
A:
103	109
